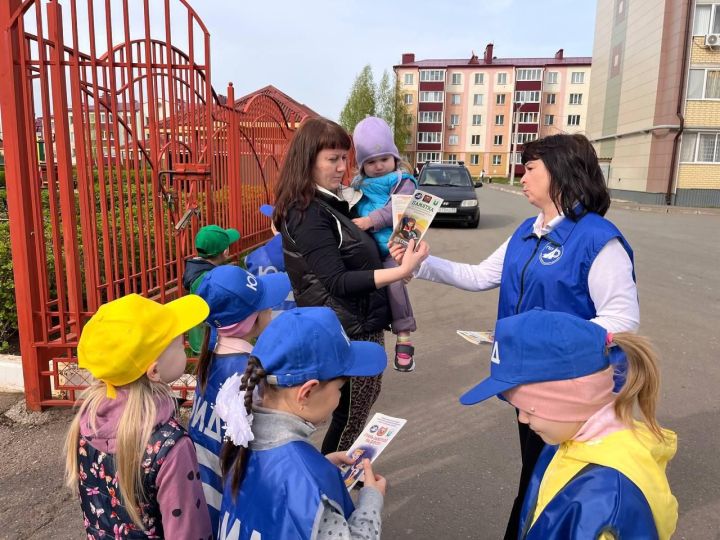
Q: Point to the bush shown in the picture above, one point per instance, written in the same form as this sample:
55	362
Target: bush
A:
8	313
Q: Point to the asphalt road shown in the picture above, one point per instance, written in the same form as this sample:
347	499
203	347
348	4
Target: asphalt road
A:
452	470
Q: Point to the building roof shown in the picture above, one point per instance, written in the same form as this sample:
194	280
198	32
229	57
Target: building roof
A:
294	111
497	62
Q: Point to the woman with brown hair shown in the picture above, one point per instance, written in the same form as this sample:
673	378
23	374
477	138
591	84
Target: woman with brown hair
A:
333	263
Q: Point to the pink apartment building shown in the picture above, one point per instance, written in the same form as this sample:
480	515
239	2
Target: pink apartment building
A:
480	110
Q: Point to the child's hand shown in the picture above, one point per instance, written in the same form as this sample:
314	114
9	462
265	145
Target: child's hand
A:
363	223
411	259
339	458
371	479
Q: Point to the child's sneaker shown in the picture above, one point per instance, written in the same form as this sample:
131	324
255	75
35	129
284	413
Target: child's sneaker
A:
404	360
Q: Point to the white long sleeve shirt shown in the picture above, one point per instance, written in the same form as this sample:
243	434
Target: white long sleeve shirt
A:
610	280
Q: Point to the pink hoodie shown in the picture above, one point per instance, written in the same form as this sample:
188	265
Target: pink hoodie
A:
175	492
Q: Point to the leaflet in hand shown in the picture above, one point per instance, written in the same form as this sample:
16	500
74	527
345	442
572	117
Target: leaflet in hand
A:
399	204
416	219
476	338
372	441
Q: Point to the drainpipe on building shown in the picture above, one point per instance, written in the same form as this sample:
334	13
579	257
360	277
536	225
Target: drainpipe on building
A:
681	95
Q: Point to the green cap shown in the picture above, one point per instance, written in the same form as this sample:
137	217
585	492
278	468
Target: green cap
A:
212	240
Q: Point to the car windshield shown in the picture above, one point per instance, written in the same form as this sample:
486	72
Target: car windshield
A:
445	177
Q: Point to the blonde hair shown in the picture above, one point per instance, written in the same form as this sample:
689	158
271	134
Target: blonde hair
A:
642	385
136	426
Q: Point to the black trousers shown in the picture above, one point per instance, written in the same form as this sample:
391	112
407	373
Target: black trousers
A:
530	447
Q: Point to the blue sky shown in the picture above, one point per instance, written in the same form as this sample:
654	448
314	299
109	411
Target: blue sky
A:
314	49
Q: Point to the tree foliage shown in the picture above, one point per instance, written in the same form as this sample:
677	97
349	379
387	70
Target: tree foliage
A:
361	102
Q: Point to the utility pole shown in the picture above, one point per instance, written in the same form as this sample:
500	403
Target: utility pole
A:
513	142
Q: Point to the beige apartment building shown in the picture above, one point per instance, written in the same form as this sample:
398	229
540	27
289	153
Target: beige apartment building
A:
654	111
481	110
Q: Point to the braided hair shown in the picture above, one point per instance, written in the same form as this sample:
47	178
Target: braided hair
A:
233	458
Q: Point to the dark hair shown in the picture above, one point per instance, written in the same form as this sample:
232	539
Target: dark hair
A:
202	368
295	185
232	458
575	174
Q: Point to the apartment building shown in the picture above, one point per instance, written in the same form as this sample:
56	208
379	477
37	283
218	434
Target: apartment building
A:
654	112
482	110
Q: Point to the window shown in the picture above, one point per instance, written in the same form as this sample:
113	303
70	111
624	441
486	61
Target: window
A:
454	119
423	157
474	159
431	117
573	120
577	77
575	99
408	99
477	119
704	84
529	74
550	99
452	158
497	140
528	117
432	75
527	96
457	78
500	99
522	138
429	137
456	99
707	19
502	78
453	140
479	78
497	159
475	140
552	77
478	99
499	119
408	119
409	78
408	140
549	119
432	97
700	148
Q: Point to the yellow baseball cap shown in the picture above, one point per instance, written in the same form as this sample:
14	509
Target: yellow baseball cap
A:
124	337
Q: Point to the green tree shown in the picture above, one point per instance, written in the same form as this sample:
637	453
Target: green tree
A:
386	99
361	102
401	126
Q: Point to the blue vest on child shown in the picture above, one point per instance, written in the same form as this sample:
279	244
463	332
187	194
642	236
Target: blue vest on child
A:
376	194
268	259
551	272
281	493
206	429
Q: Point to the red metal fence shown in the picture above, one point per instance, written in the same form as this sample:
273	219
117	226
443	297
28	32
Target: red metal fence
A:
117	150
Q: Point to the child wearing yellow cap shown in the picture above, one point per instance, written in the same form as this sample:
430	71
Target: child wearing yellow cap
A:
133	464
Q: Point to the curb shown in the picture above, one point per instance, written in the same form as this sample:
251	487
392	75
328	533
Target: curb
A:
630	205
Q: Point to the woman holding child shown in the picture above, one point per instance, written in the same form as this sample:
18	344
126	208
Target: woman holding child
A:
333	263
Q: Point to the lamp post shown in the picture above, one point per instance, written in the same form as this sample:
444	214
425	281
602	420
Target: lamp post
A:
513	141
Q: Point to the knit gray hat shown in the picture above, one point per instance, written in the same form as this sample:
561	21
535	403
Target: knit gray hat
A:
373	138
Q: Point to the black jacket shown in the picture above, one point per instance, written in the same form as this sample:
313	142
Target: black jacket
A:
194	268
331	262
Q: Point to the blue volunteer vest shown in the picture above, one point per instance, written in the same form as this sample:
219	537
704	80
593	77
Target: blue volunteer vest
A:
376	194
598	498
268	259
551	272
281	493
206	430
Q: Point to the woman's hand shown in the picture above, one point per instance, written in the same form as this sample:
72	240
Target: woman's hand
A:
363	223
371	479
397	251
339	458
412	259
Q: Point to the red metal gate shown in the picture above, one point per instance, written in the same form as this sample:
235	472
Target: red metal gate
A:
117	149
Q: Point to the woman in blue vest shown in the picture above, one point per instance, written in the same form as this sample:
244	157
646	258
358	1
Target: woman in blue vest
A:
240	309
277	485
569	258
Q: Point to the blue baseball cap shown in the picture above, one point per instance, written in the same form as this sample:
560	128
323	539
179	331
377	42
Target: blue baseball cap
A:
267	210
234	294
308	343
538	346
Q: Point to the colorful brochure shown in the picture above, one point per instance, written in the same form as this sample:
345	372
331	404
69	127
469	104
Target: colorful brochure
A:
399	204
416	219
372	441
476	338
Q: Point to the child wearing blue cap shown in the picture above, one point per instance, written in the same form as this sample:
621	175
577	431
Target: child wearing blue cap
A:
239	310
601	474
277	485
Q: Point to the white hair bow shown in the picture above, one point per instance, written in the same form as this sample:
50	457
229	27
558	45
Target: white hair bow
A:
230	407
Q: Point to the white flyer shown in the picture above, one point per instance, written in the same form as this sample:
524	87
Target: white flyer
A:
476	338
369	445
416	219
399	204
